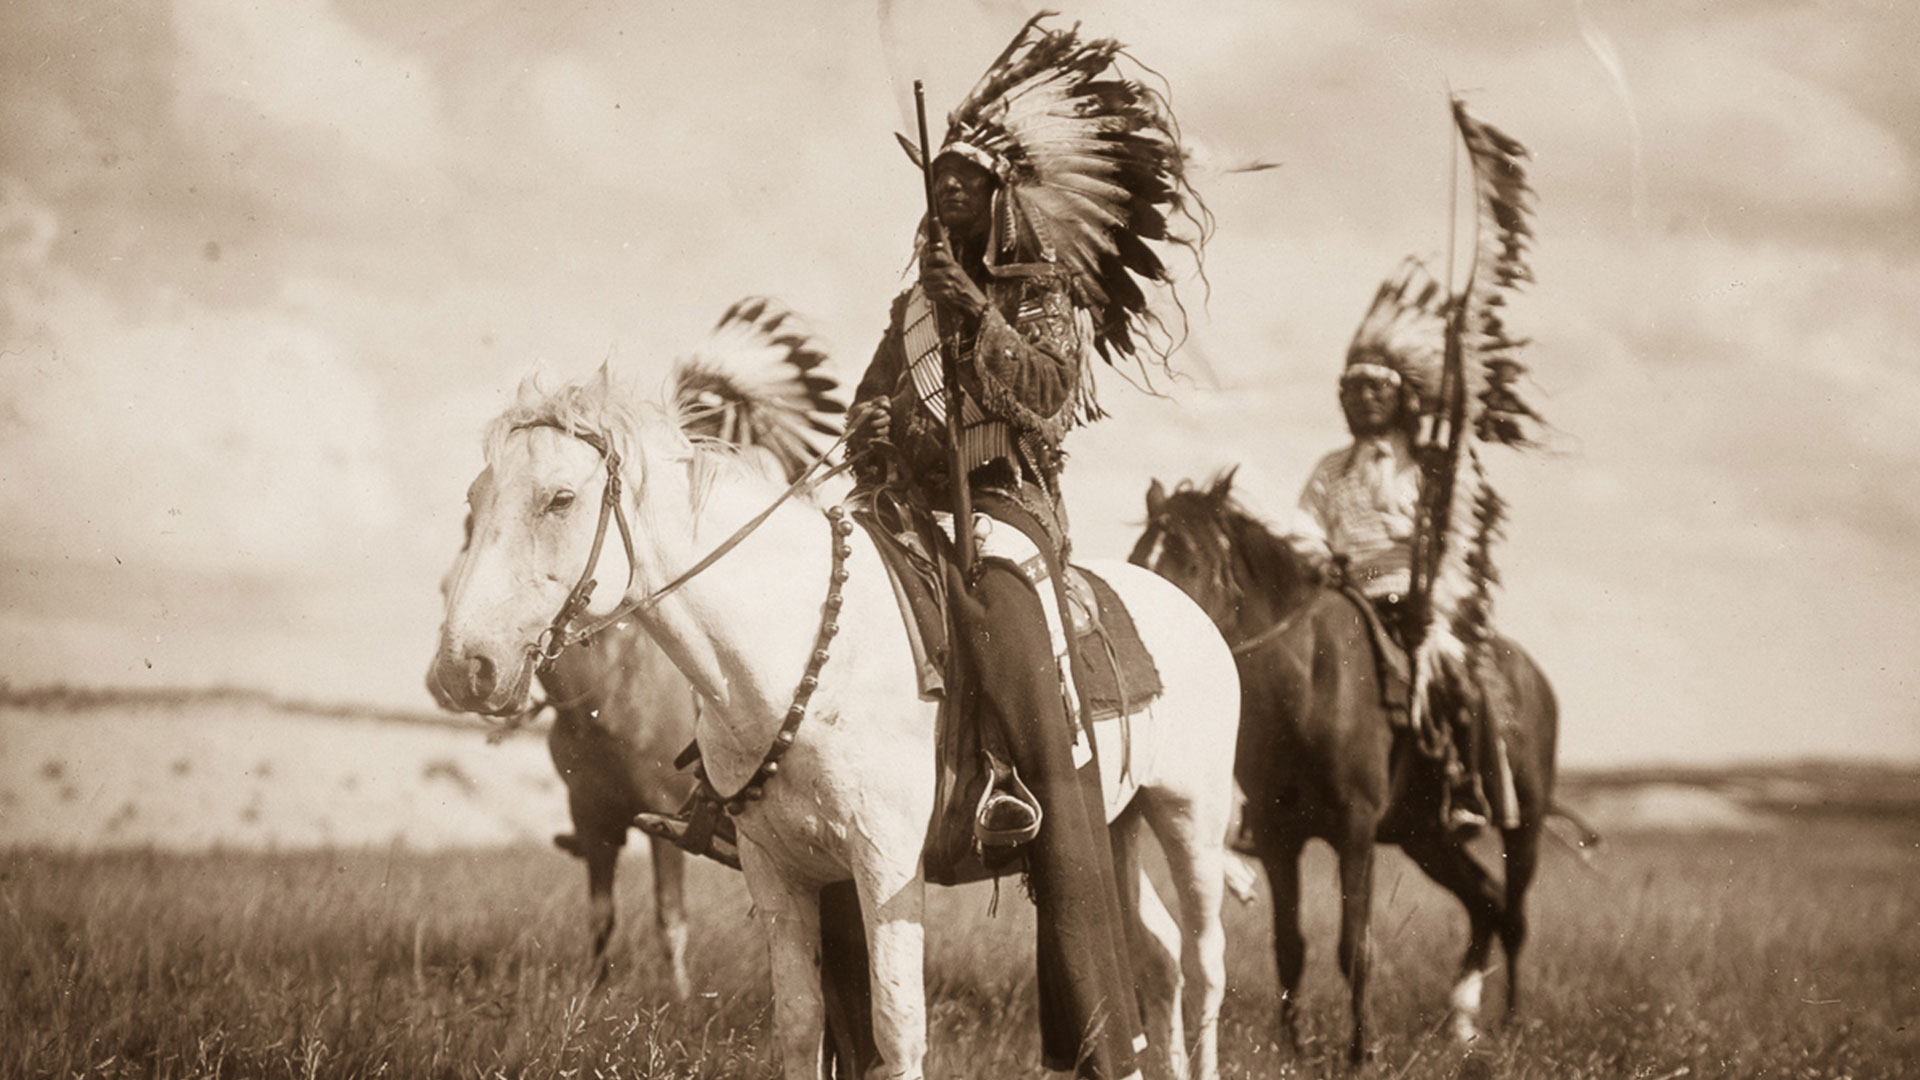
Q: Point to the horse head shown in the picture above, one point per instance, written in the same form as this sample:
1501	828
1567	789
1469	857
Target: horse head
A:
537	543
564	468
1202	540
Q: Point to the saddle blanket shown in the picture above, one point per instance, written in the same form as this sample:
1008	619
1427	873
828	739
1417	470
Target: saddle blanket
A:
1111	665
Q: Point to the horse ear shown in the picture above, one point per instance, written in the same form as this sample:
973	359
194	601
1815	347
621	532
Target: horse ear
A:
602	379
529	394
1223	483
1156	498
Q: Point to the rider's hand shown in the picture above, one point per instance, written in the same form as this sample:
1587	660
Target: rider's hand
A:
1315	564
946	283
871	419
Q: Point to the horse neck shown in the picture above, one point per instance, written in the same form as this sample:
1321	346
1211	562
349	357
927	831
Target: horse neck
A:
1268	593
742	629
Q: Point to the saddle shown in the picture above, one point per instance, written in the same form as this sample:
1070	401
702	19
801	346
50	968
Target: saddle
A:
1492	715
1392	663
1112	670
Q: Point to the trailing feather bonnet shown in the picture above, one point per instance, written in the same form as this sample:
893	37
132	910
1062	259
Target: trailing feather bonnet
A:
1091	175
1478	402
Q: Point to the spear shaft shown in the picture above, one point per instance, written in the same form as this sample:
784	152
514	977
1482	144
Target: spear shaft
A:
962	499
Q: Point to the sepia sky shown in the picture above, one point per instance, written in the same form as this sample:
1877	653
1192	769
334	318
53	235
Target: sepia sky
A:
266	270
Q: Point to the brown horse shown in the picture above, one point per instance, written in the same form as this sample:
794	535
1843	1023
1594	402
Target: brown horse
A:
1318	756
621	714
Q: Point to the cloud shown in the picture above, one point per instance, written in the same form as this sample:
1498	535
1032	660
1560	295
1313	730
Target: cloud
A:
274	266
295	80
1733	130
179	434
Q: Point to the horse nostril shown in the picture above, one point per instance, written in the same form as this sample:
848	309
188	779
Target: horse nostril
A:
479	677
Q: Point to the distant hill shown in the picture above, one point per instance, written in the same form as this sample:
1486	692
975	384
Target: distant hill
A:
191	770
225	766
1743	796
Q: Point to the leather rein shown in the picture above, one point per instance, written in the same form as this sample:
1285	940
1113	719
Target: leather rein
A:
561	633
1256	641
557	636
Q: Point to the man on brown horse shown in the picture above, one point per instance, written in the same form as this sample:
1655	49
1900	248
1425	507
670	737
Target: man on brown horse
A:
1017	257
1358	512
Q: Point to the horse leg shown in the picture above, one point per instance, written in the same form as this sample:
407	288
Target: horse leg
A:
1356	927
789	913
1196	857
847	981
1451	866
894	908
1282	860
670	911
602	856
1155	944
1522	846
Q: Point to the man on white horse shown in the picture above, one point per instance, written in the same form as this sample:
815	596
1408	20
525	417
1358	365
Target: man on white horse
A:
1017	260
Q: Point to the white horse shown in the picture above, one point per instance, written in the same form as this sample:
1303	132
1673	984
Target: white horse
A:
853	793
622	711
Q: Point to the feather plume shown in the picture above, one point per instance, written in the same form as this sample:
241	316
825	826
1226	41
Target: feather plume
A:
1479	402
1092	170
1406	329
758	381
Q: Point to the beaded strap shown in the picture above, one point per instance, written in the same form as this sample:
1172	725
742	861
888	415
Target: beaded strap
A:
755	788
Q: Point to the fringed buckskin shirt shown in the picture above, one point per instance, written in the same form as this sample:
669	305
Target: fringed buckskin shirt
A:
1019	372
1360	503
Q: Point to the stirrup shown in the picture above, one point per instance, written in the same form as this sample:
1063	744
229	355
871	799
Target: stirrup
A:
1008	815
700	828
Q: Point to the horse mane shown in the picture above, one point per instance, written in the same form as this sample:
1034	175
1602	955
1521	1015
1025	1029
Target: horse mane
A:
598	405
1271	562
641	431
1212	520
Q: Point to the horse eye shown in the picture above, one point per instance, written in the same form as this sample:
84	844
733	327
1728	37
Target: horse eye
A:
560	501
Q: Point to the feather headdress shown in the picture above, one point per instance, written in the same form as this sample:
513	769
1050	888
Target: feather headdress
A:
1092	175
1404	333
757	381
1479	402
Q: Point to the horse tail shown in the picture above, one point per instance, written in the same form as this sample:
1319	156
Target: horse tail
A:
758	381
1588	839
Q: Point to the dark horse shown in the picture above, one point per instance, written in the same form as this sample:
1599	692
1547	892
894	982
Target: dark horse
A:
1318	757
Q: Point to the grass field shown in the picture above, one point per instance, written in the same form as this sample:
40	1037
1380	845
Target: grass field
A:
1793	952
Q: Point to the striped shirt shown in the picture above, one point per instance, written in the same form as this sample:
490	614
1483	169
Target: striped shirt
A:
1360	502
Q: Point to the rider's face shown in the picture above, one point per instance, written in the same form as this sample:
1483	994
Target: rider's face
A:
962	194
1372	404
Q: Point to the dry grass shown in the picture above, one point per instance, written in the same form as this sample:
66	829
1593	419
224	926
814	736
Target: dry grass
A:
1792	953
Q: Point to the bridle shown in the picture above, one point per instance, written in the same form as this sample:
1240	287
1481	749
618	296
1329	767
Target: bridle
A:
555	638
558	635
561	633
